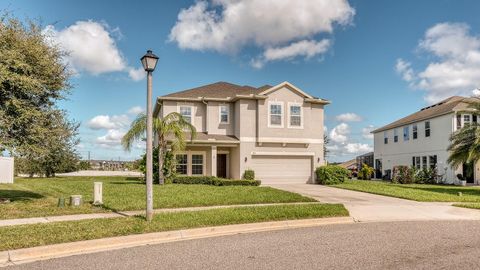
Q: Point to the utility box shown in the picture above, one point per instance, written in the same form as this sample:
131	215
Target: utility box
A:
97	193
6	170
76	200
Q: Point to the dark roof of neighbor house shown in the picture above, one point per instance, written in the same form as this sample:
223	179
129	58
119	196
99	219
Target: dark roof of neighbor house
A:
218	90
443	107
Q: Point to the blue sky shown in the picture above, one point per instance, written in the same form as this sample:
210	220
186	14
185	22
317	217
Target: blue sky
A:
375	60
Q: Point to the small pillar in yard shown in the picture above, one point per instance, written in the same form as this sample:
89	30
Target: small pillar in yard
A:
98	193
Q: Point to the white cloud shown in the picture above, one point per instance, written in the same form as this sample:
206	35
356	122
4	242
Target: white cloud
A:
90	45
476	92
358	148
366	132
305	48
349	117
455	69
339	133
109	122
404	69
111	139
137	74
226	26
135	110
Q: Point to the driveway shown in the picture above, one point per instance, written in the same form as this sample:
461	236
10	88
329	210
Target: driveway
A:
365	207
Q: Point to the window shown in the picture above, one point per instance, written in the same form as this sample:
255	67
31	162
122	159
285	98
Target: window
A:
395	135
417	162
385	137
406	133
474	118
433	161
424	162
276	114
413	161
295	115
182	164
197	164
224	114
427	129
186	112
459	121
415	131
466	119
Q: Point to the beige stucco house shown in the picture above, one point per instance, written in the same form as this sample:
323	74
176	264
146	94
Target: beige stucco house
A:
422	138
277	131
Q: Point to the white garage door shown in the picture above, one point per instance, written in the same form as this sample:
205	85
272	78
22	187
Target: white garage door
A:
282	169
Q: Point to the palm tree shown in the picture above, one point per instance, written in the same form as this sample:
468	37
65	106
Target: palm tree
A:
173	127
464	145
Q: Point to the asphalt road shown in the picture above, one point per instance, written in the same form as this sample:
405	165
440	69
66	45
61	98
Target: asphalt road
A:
387	245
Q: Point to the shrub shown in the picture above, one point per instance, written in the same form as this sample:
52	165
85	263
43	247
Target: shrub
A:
426	176
331	174
403	175
213	181
365	172
249	175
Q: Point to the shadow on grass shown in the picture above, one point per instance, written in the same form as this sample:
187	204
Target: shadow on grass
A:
448	190
19	195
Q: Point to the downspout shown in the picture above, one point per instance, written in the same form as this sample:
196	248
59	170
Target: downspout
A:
206	114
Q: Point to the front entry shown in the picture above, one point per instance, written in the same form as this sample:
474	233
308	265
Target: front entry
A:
222	165
468	172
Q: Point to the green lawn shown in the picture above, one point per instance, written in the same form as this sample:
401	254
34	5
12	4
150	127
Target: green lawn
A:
416	192
60	232
468	205
38	197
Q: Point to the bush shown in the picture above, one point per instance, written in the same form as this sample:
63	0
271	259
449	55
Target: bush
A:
426	176
249	175
169	163
331	174
213	181
365	172
403	175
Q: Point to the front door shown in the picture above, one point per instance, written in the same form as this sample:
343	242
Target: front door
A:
222	165
468	172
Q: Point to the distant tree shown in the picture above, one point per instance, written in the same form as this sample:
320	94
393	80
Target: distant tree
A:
326	141
33	77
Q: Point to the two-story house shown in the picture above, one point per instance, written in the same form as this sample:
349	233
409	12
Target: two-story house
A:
422	138
277	131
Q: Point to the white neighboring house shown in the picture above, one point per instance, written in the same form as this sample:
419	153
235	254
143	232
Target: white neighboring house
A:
422	138
6	170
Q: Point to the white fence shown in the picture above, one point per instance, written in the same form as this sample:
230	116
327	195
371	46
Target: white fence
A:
6	169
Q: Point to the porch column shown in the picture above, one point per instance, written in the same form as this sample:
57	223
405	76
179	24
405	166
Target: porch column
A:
213	160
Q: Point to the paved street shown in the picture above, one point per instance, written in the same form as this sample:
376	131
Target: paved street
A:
365	207
384	245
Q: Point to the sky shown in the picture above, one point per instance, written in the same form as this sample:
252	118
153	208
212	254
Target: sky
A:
376	60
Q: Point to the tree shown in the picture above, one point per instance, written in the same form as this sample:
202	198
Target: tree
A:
33	77
464	145
326	141
171	129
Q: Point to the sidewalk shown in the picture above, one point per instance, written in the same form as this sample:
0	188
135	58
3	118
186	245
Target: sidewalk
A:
36	220
21	256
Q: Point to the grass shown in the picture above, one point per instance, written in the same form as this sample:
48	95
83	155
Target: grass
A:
468	205
38	197
416	192
60	232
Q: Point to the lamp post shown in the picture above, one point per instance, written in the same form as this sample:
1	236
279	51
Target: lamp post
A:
149	62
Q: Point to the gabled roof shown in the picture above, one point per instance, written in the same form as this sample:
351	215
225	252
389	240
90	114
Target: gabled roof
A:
224	91
449	105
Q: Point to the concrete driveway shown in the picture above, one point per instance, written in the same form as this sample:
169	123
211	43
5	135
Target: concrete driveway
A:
365	207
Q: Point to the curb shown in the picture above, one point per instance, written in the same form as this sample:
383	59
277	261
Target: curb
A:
26	255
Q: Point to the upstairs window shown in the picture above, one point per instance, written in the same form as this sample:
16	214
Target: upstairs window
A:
415	131
427	129
406	133
295	115
385	137
224	114
276	114
186	112
395	135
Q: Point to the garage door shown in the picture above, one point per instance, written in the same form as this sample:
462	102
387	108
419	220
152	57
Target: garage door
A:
282	169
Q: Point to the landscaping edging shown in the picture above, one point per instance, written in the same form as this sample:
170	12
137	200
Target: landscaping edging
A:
26	255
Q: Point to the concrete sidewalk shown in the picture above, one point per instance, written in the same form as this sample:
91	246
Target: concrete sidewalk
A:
366	207
36	220
20	256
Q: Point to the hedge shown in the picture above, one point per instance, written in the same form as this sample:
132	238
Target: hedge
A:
331	174
214	181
